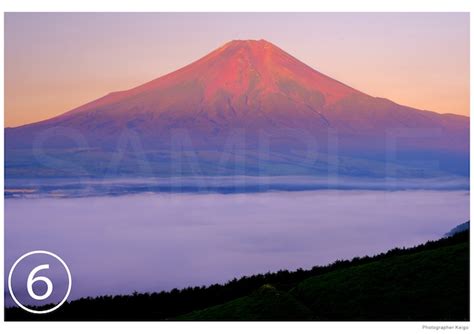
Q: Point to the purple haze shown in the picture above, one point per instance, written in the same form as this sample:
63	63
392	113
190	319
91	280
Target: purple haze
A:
153	242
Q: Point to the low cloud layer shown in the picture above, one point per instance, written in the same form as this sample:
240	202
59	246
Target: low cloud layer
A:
151	242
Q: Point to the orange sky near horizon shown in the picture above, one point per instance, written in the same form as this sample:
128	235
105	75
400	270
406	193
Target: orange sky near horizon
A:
55	62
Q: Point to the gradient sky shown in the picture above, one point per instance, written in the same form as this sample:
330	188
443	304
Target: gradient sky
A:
57	61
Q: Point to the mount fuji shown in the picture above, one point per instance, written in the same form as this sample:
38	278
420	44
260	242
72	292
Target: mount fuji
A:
246	108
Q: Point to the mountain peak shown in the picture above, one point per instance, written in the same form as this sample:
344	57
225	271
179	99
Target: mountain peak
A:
259	67
250	70
258	48
261	40
249	41
247	90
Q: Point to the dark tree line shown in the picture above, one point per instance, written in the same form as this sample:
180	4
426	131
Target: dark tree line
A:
167	305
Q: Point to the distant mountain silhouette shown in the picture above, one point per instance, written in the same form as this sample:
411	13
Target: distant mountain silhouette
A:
255	99
458	229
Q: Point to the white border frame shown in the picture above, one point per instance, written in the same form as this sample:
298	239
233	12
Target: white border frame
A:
221	6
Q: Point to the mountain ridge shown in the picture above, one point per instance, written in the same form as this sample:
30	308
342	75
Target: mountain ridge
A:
239	44
256	97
